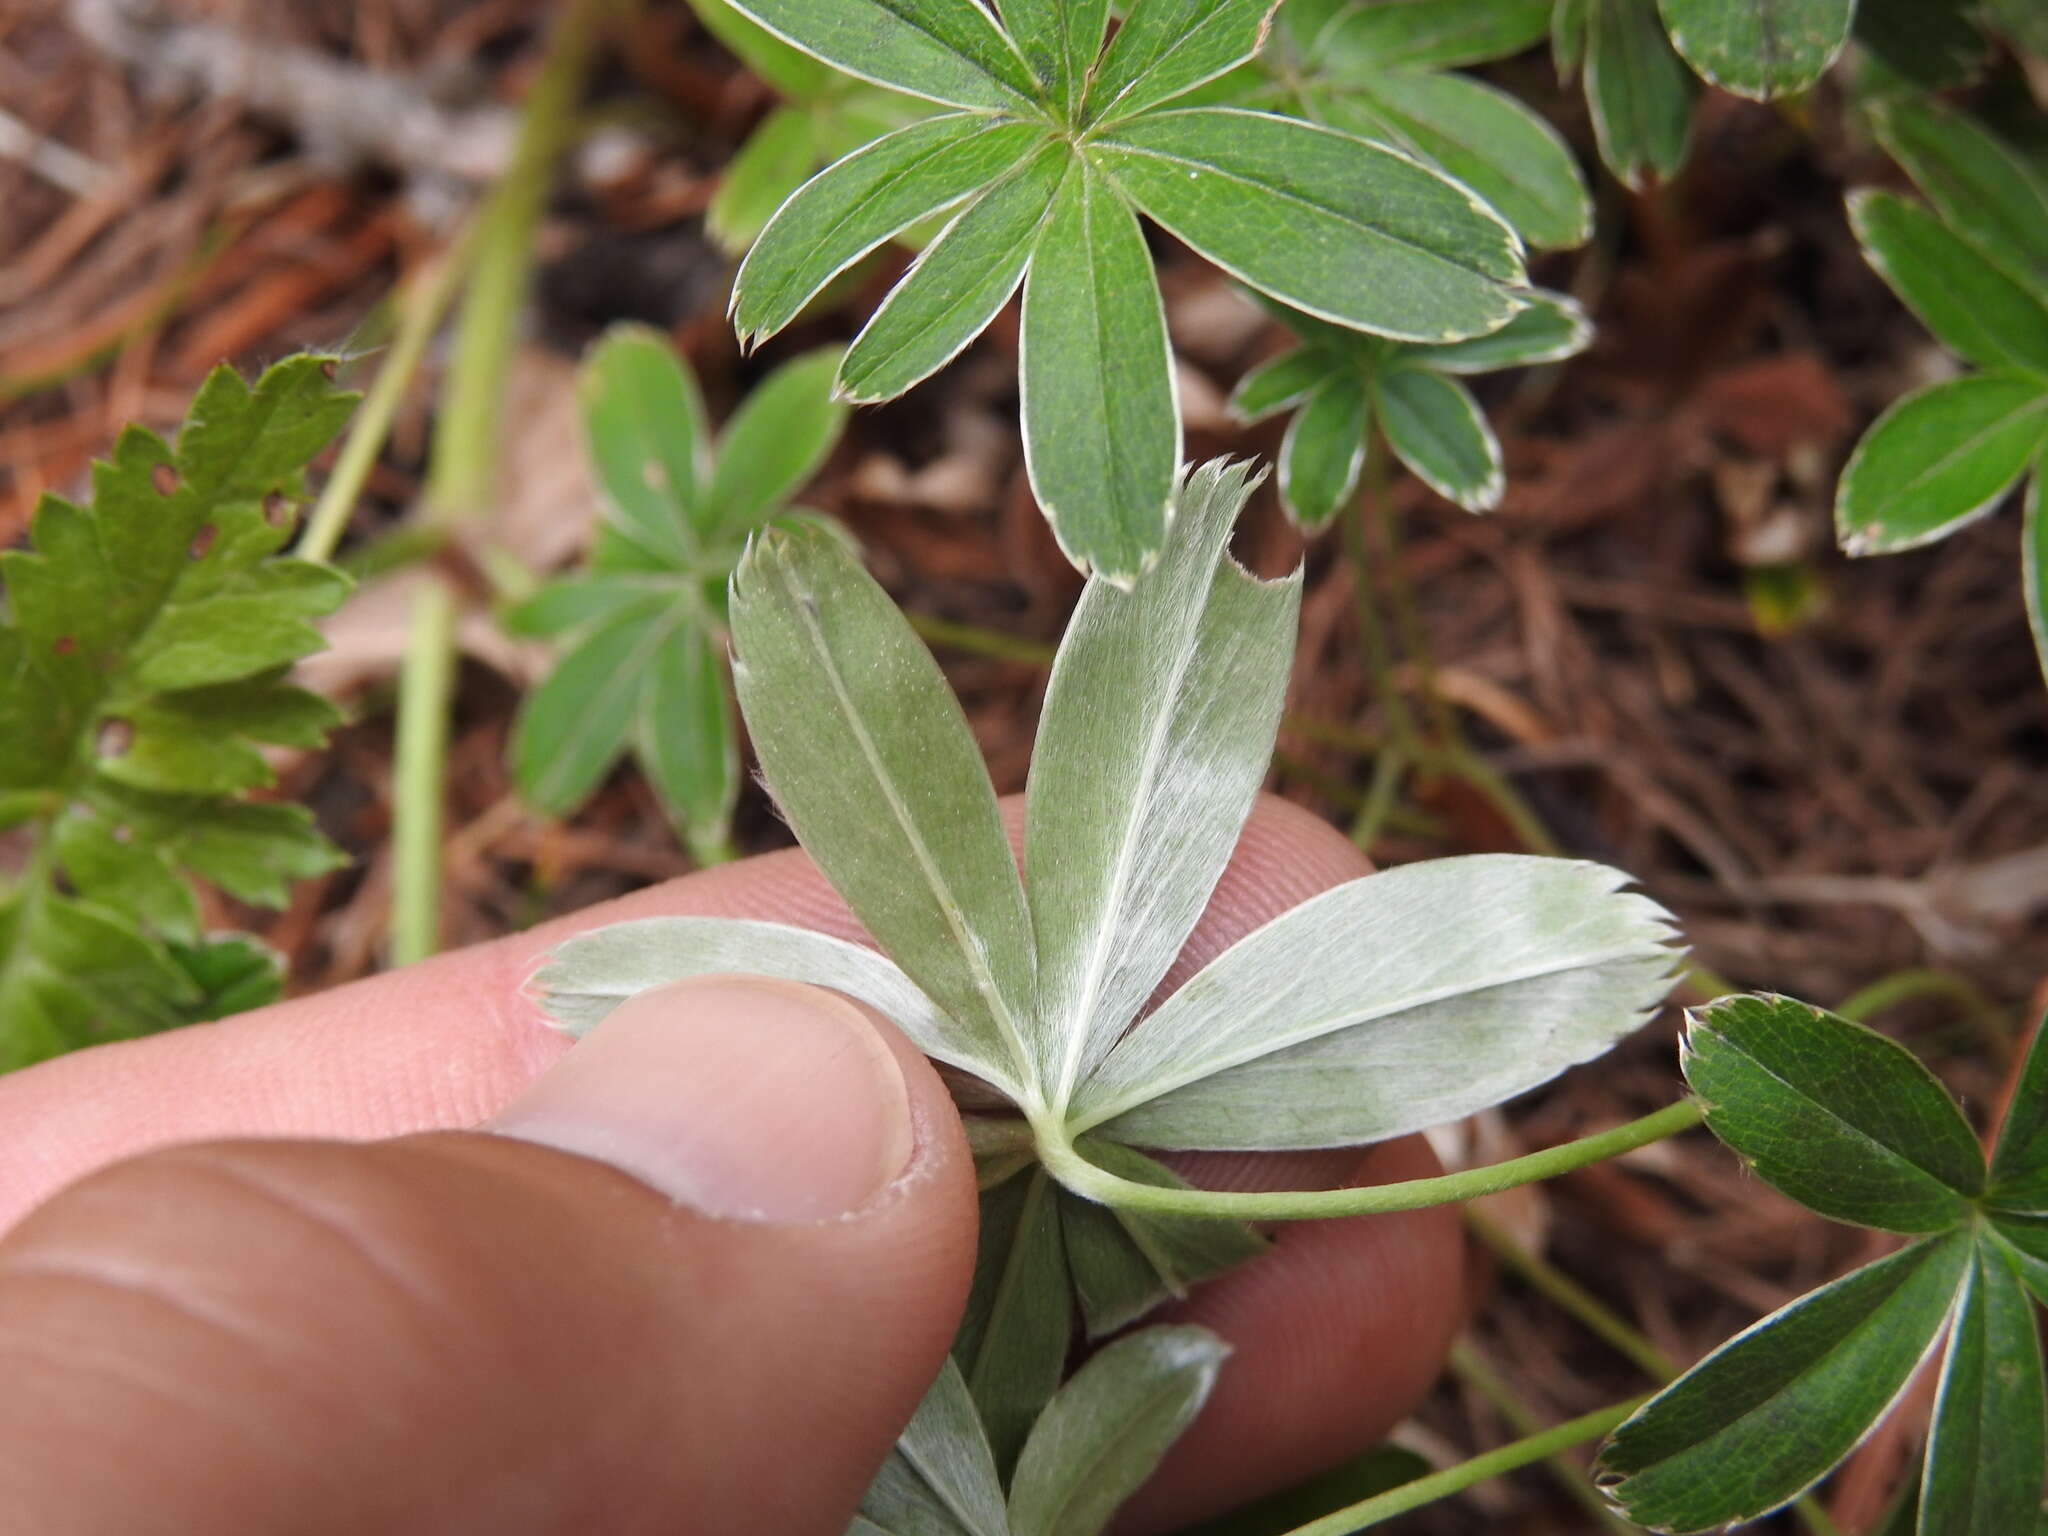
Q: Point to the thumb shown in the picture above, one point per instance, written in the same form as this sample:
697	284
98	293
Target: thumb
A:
696	1280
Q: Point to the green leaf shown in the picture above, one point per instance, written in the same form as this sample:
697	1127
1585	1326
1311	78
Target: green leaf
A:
1985	189
1430	34
1349	231
1846	1122
1125	1263
955	287
1938	458
853	205
1484	137
1061	39
576	602
1639	90
1165	48
1552	328
1437	429
941	1473
1570	20
1324	450
1985	1450
776	440
2022	22
254	852
575	726
2026	1245
2019	1162
790	70
1770	1413
586	977
143	644
1929	44
869	758
1013	1339
684	736
1957	294
1128	830
230	973
649	447
1401	1000
949	51
1759	48
2034	562
777	158
1280	383
1105	1431
77	974
1101	429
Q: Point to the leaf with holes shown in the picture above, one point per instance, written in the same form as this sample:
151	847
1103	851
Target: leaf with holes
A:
144	644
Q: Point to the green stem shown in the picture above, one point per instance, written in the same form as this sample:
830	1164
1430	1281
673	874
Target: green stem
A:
1572	1298
1098	1184
1378	806
1506	1458
1472	1368
1926	981
425	684
420	310
465	458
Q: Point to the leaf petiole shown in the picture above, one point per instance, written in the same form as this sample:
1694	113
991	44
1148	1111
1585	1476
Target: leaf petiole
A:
1092	1183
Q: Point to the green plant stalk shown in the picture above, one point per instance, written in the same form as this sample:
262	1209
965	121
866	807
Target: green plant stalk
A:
420	311
1057	1152
1472	1368
1427	1490
464	466
1927	981
465	458
425	686
1573	1299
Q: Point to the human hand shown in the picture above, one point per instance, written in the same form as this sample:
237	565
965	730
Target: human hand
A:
693	1277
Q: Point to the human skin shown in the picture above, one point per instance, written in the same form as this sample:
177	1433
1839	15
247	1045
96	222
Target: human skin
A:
431	1291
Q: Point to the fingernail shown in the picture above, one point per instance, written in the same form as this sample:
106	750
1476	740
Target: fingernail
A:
743	1097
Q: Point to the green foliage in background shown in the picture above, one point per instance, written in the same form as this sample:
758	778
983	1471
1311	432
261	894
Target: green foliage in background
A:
1972	263
1342	387
143	650
642	626
1057	143
1853	1127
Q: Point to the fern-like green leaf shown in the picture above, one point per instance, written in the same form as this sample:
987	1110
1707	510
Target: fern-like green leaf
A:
143	646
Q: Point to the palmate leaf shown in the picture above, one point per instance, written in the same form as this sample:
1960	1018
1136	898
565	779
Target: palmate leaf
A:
1440	433
1759	48
1772	1411
1019	1322
1048	175
142	666
1324	450
2019	1162
1846	1122
1431	34
642	666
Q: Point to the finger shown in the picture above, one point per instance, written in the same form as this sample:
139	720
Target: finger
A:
1336	1335
719	1326
445	1043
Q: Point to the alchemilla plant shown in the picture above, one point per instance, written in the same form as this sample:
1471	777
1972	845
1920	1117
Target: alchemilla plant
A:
1390	1003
